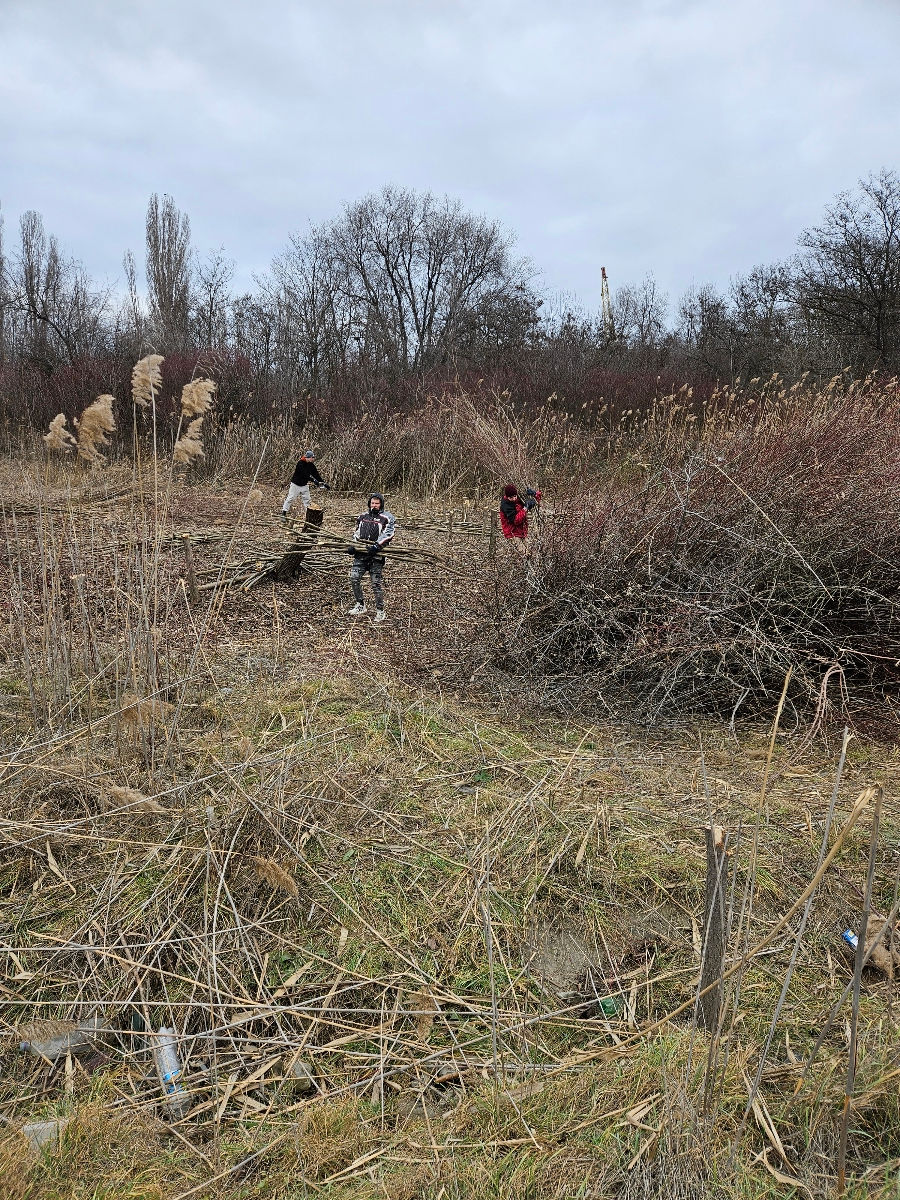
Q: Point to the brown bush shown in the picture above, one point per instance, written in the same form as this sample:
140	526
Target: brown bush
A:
695	576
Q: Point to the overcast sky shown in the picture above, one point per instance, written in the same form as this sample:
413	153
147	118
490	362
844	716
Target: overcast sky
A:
690	138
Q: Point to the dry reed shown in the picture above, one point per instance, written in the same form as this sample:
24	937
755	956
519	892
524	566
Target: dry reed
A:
275	875
58	437
95	423
146	380
189	447
197	397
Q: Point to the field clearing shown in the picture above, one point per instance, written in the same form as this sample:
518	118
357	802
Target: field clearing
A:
417	936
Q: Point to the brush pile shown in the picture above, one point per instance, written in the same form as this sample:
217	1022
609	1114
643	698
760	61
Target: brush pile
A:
316	550
695	580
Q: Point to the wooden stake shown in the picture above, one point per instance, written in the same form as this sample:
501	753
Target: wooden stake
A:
190	577
854	1012
714	928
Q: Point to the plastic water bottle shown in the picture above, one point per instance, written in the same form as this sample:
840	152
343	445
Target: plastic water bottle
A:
168	1067
850	938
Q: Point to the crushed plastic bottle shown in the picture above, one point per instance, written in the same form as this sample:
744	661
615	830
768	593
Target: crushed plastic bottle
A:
43	1135
57	1039
169	1069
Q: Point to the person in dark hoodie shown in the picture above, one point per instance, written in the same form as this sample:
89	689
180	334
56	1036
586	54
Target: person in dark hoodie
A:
305	472
374	530
514	511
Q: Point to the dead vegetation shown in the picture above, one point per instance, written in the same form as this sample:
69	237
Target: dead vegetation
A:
414	940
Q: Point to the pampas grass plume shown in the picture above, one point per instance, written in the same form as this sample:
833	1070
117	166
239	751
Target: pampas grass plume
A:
189	446
196	397
275	876
146	379
95	423
58	437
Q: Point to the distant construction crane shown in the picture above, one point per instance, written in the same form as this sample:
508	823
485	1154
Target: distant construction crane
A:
608	327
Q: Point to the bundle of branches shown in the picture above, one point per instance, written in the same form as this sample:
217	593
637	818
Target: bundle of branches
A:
319	551
699	584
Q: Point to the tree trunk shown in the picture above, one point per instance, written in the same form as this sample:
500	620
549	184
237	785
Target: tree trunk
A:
292	564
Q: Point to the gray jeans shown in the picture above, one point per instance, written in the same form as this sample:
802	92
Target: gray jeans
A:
375	567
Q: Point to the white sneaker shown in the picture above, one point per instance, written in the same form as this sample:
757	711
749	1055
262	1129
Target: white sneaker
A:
357	610
379	615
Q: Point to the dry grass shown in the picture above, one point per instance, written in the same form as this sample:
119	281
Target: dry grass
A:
297	839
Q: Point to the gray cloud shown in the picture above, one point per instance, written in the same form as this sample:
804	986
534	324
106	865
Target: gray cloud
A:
689	138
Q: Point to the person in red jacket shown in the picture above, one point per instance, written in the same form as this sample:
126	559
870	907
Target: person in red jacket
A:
514	511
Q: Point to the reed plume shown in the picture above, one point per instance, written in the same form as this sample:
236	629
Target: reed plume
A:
275	876
58	437
135	801
38	1031
146	380
196	397
189	446
141	714
95	423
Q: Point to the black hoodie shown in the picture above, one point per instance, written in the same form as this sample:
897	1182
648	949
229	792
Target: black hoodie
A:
375	526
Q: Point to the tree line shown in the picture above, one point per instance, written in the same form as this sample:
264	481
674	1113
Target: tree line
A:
404	291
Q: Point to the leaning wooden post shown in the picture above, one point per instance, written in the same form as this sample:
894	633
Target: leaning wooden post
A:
713	955
190	577
492	536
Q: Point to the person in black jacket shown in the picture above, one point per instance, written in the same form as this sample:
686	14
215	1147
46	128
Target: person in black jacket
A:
305	472
374	530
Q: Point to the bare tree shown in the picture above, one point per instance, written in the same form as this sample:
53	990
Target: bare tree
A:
401	282
212	295
705	331
848	275
52	312
762	320
640	314
315	342
169	272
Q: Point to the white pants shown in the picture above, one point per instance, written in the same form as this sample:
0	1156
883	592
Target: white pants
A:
293	492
